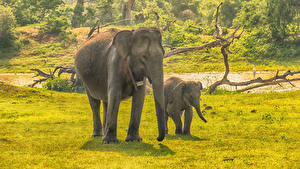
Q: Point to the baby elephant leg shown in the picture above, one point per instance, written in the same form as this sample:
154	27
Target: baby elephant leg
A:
178	123
188	116
166	124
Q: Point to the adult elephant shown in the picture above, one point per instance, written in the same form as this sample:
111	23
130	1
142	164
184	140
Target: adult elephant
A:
113	66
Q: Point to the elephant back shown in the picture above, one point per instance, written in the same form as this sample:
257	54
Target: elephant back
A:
92	50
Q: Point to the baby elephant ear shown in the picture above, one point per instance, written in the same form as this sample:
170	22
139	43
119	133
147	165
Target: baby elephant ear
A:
123	42
200	85
179	86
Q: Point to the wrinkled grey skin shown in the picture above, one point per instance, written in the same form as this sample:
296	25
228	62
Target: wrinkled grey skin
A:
181	96
102	64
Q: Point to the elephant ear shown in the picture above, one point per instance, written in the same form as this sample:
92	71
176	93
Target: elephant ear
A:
141	43
178	89
123	42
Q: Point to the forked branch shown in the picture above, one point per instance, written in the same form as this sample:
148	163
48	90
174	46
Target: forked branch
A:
74	79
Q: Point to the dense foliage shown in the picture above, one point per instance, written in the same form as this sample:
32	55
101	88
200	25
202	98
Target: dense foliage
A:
61	85
7	25
272	26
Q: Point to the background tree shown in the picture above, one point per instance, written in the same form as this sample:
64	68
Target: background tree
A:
281	13
127	11
105	11
7	25
77	18
30	12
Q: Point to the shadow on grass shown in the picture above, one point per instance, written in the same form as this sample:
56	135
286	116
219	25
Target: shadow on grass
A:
129	148
184	137
6	54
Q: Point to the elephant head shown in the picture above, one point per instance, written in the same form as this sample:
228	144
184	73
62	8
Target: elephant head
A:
141	49
190	93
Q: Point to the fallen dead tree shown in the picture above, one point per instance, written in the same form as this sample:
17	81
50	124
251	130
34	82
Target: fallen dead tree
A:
225	43
51	75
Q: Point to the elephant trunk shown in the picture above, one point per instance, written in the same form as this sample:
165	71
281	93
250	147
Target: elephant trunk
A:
200	114
158	91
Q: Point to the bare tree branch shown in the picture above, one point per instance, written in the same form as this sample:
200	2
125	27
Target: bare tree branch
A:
75	80
209	45
38	81
267	84
218	28
41	73
157	19
92	30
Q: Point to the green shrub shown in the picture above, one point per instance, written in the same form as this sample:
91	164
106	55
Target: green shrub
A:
55	25
57	21
62	85
7	25
58	84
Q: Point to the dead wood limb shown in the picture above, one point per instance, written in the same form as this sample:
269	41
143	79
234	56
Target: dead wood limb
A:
157	19
276	80
61	69
38	81
209	45
266	84
41	73
65	70
92	30
217	26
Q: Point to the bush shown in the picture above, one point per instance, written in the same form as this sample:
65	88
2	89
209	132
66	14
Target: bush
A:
7	25
55	25
56	22
58	84
62	85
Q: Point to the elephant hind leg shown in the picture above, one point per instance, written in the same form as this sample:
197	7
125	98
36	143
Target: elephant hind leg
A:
95	106
188	116
178	123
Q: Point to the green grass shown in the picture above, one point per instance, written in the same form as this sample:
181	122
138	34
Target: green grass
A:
46	129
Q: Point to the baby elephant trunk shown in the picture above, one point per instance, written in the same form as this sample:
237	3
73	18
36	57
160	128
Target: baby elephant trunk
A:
200	114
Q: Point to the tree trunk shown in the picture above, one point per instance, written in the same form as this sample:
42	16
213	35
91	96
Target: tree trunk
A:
127	11
77	17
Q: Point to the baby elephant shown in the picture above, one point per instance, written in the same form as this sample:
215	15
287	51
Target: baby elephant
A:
181	95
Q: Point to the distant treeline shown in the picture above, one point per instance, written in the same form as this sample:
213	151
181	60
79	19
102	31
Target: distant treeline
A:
272	22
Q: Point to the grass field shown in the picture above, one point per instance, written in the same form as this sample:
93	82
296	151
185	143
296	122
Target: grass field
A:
46	129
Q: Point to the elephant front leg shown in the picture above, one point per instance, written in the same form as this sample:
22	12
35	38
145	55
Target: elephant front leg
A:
110	129
136	111
188	116
178	123
104	115
95	106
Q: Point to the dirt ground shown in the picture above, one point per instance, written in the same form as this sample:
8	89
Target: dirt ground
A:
206	78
